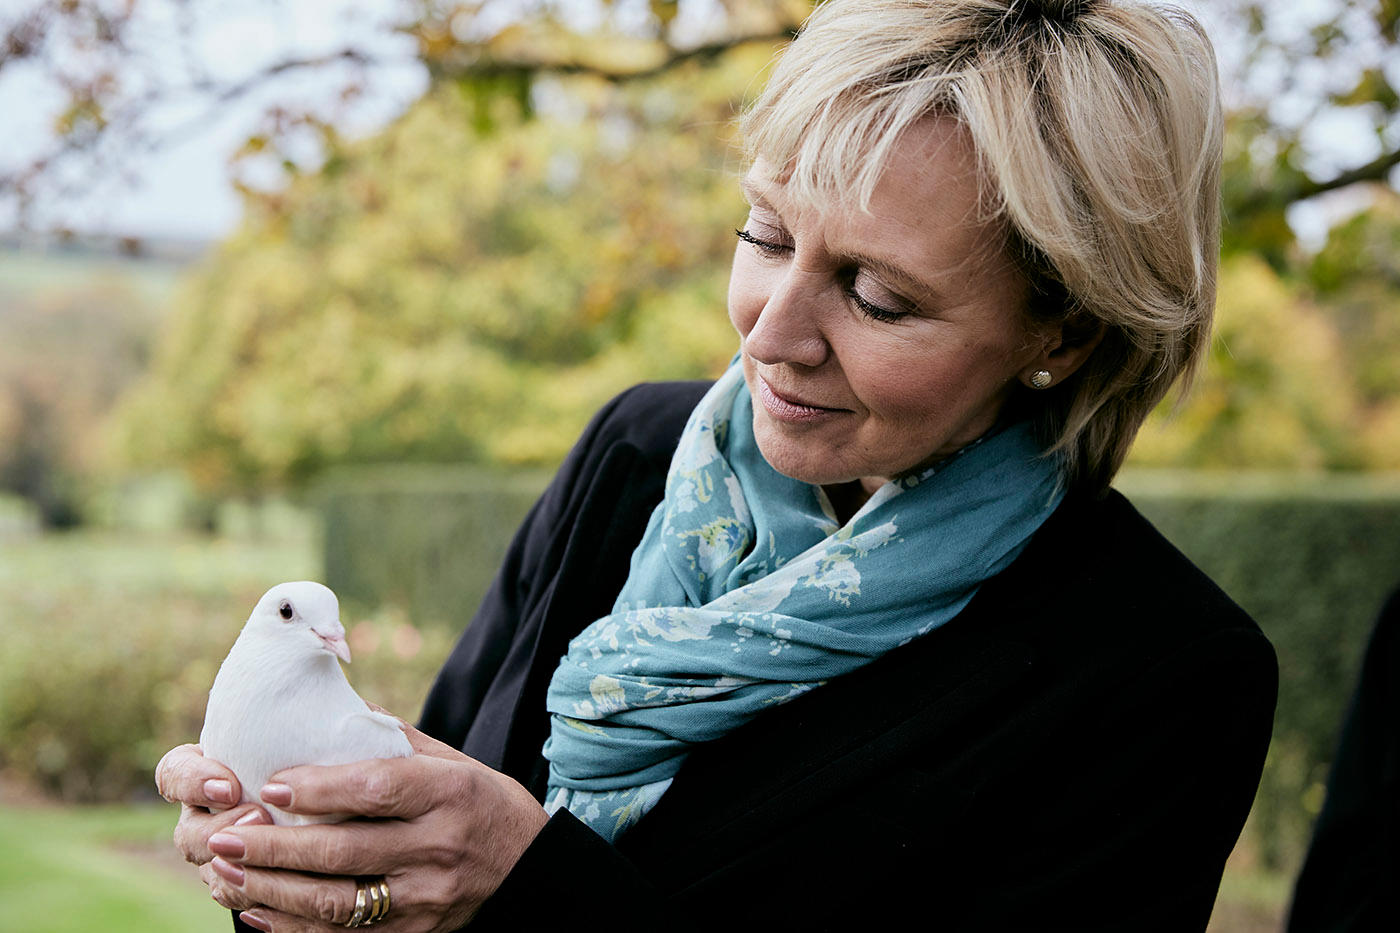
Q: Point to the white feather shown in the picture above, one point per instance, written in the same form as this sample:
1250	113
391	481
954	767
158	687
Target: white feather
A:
280	698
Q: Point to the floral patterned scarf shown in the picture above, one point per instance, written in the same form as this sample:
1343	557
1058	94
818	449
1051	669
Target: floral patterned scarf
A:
746	592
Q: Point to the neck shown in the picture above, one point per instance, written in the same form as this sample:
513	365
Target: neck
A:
847	498
289	669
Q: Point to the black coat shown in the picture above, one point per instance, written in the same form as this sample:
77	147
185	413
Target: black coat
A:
1077	749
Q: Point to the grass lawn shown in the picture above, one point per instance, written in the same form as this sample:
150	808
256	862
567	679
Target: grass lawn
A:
109	868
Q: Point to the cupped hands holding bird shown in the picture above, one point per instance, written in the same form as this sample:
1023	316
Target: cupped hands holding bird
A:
352	790
442	828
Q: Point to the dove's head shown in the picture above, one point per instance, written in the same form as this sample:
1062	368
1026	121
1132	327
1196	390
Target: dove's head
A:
305	611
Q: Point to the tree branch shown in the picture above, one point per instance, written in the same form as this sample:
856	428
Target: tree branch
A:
1375	170
671	59
224	94
1266	199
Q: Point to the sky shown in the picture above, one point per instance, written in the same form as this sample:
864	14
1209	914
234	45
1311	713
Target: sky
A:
182	188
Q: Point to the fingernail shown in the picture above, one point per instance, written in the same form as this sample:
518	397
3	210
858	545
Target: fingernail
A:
279	795
255	920
218	790
228	871
252	816
226	844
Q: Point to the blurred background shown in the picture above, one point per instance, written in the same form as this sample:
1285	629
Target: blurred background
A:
323	289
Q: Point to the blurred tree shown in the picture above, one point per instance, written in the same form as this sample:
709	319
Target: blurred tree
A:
1357	275
113	71
1302	371
1303	79
66	353
1276	391
468	285
549	223
115	79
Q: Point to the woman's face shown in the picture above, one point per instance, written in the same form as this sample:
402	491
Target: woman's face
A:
877	343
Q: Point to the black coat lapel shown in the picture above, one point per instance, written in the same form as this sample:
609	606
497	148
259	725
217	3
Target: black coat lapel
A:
788	762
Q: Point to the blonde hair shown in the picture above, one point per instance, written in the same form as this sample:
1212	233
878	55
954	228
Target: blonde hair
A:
1098	128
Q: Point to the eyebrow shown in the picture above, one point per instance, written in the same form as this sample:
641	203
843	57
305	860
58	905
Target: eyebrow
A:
891	273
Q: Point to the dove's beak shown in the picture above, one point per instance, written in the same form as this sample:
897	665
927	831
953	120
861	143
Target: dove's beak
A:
334	640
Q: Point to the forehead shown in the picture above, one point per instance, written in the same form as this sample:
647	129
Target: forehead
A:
926	215
935	148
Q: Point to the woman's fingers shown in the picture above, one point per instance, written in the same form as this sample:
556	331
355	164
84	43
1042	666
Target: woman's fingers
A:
224	894
184	775
380	787
197	825
275	921
329	900
357	847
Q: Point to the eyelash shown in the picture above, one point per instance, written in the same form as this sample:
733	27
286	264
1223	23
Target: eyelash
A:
767	246
872	311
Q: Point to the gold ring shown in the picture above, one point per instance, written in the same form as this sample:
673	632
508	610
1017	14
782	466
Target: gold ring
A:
359	915
371	903
374	903
383	885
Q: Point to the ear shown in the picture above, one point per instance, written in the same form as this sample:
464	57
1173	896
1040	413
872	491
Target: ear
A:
1065	347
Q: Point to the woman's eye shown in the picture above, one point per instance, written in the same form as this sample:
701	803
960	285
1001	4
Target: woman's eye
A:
887	310
771	247
872	310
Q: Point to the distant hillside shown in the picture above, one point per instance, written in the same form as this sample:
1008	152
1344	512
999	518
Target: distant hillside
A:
79	321
33	267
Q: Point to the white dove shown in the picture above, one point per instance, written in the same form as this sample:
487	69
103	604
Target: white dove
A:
280	698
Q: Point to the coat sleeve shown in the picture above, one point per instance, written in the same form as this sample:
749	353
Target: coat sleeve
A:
570	878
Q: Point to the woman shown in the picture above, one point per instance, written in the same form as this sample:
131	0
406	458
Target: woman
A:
859	632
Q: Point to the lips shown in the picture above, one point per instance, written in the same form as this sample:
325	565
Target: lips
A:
787	408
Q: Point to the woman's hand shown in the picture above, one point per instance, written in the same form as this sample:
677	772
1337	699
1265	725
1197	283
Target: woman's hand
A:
444	832
201	785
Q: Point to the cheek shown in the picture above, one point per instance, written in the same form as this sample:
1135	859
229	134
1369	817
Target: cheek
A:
747	294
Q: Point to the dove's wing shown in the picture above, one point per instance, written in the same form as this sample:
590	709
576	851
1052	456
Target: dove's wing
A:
367	734
356	737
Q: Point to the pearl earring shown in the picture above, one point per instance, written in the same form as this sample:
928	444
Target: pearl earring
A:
1041	379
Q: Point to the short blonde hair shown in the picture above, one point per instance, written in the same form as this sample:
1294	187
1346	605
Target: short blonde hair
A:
1098	127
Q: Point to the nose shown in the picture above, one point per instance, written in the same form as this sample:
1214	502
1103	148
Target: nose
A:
788	329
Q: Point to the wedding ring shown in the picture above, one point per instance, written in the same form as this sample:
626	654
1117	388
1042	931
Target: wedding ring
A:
358	916
383	886
371	903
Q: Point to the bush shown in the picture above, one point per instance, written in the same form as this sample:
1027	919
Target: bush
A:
423	539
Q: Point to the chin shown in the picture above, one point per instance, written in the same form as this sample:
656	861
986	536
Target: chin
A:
798	462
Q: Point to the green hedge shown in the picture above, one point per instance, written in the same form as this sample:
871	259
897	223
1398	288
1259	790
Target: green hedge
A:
1311	558
425	539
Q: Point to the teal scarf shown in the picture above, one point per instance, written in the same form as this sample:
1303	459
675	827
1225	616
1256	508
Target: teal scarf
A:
746	592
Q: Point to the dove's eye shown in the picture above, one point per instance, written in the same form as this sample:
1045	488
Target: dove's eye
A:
285	610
